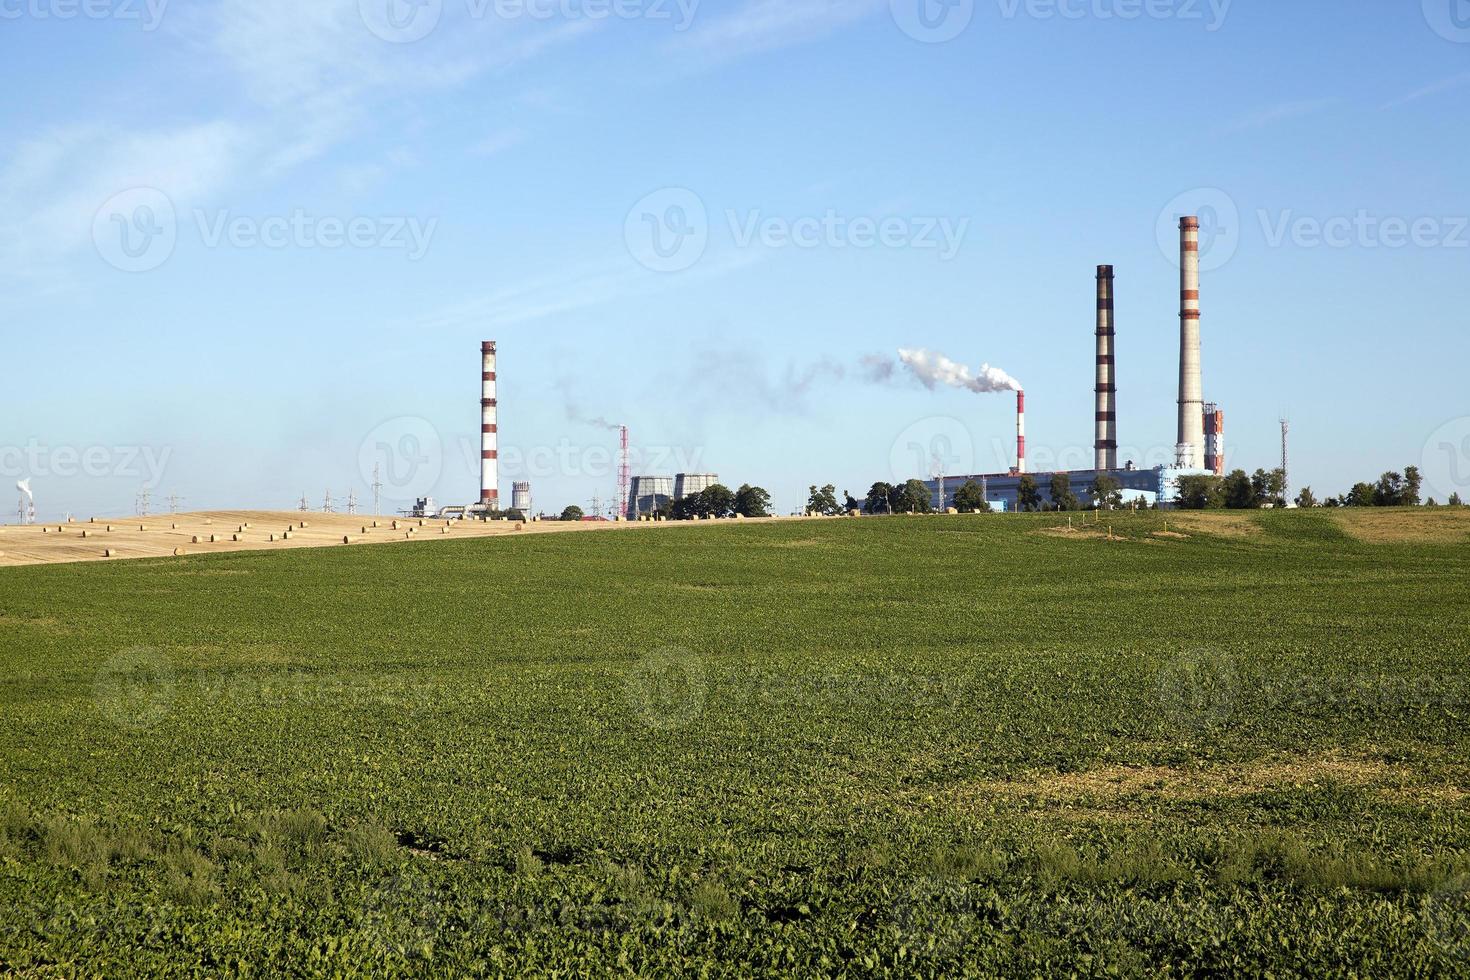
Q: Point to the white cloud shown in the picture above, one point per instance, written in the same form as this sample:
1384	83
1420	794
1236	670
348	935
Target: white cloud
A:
1433	89
764	24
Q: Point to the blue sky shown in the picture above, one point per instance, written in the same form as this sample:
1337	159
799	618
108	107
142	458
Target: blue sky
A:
498	172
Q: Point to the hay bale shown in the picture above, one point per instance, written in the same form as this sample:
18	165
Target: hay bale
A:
952	511
375	523
234	537
272	537
395	525
106	552
212	539
286	536
194	540
521	526
173	527
209	522
84	534
142	528
346	539
179	552
109	529
303	524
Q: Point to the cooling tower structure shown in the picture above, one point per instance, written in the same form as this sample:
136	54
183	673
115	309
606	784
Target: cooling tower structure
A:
489	454
520	497
1106	446
1190	449
688	484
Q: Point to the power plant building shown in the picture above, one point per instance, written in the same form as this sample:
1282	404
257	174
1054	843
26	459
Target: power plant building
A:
688	484
648	493
1200	448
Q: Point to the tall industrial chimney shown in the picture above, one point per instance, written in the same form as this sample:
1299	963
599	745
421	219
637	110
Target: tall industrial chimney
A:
489	455
1107	387
1190	450
1020	431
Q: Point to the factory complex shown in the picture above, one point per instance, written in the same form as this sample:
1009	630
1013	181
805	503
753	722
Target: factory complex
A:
1201	426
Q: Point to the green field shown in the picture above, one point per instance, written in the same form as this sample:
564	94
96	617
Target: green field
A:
905	746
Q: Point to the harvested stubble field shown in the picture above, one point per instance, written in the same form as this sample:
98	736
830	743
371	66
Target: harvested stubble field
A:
889	746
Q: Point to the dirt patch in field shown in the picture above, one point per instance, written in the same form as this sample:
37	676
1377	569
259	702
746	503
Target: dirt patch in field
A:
1172	535
1219	524
1434	525
1078	533
1159	783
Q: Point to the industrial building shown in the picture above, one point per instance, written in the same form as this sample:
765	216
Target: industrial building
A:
1200	448
649	493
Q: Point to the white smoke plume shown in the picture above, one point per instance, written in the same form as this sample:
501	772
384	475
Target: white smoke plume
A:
934	370
24	486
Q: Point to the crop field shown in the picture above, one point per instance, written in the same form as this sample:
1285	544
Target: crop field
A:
940	746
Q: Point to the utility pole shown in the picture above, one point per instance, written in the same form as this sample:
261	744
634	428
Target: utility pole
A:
303	506
327	502
145	499
377	491
352	502
173	503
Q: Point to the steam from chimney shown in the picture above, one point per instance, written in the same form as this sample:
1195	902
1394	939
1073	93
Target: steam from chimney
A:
24	486
934	370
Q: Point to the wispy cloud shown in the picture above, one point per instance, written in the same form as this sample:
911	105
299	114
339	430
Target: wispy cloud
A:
1433	89
498	142
761	25
1279	113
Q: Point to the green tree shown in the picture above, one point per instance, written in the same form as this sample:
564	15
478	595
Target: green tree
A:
1199	493
970	499
1106	492
717	500
823	502
1361	495
1306	499
1028	494
1062	497
880	499
914	498
572	513
752	501
1413	482
1389	491
1455	501
1237	491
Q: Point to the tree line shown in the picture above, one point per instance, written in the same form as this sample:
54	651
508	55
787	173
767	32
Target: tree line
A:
1239	491
714	501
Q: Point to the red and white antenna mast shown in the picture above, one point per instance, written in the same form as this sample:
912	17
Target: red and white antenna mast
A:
625	474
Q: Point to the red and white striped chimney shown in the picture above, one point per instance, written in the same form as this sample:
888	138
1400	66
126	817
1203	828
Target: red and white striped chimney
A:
1190	451
489	452
1020	431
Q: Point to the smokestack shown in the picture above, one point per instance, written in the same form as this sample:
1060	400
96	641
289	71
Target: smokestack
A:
1020	431
489	455
1215	440
1189	452
1107	388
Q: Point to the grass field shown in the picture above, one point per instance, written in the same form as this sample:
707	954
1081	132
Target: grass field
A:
933	746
